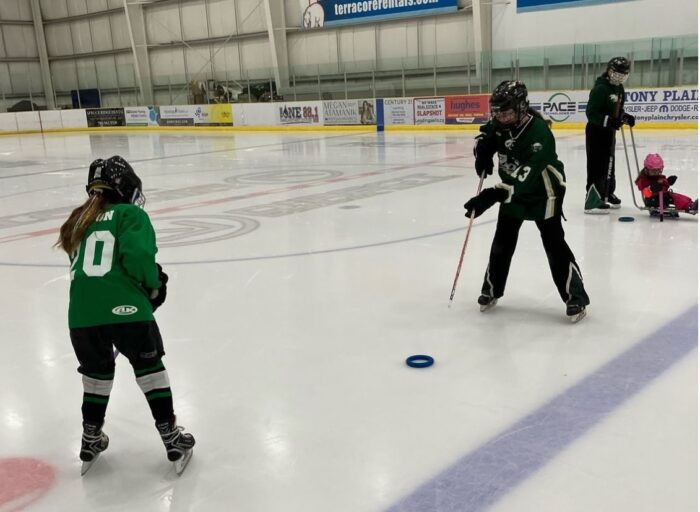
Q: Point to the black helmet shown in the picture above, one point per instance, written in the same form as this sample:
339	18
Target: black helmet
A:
618	70
619	65
117	181
509	95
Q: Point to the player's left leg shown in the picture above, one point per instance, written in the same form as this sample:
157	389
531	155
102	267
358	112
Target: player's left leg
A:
565	271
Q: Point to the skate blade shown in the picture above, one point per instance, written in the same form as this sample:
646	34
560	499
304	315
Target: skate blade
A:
488	306
597	211
87	465
578	317
182	462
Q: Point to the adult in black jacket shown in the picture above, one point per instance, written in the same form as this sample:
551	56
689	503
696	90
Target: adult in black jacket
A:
605	113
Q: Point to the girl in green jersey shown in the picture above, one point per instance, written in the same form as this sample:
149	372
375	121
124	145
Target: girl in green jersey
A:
531	189
116	285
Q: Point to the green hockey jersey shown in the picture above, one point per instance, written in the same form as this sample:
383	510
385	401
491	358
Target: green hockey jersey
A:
529	169
605	101
113	269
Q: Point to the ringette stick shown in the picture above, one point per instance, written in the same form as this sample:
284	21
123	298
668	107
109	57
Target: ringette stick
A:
464	247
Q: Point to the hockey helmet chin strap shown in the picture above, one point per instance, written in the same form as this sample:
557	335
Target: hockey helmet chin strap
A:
138	198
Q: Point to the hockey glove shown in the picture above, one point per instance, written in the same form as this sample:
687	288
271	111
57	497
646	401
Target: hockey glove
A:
614	123
484	149
157	296
656	187
628	119
485	200
671	180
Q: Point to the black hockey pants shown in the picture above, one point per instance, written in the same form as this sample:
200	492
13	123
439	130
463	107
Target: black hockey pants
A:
565	271
600	147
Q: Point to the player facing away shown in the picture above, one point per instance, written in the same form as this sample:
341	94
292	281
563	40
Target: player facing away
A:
606	114
115	286
532	188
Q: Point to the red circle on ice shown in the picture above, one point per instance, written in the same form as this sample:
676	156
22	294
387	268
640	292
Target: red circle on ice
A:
23	481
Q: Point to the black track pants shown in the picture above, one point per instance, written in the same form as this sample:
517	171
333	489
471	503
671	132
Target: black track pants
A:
599	149
562	264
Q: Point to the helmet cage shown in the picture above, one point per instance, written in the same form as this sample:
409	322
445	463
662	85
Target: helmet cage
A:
617	78
508	103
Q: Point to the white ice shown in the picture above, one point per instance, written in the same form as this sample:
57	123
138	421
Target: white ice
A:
287	324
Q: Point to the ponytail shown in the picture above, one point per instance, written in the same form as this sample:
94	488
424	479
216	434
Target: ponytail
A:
536	113
73	229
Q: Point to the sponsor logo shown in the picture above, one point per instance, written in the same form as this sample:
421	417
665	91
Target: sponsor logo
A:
298	114
125	310
559	107
201	114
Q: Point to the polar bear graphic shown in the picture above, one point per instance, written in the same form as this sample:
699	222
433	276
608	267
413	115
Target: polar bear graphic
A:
314	14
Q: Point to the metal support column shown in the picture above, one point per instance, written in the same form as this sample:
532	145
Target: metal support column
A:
43	55
277	36
137	34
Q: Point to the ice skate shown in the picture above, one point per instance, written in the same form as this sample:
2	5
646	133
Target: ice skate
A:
178	444
594	204
93	442
575	313
614	202
486	302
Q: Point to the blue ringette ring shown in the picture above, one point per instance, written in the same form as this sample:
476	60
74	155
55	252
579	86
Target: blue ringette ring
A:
420	361
626	219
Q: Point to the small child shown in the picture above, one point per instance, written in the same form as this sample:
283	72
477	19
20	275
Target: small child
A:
651	181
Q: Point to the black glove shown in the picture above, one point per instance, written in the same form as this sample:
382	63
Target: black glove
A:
614	123
671	180
628	119
484	149
157	296
656	187
488	197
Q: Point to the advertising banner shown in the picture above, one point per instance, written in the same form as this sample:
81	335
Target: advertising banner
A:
539	5
97	117
672	105
176	115
561	106
398	111
332	13
669	105
349	112
473	109
300	113
141	116
219	114
429	110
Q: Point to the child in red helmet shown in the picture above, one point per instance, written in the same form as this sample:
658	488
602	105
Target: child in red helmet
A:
651	182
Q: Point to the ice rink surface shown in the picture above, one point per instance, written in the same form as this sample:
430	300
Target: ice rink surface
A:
304	268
